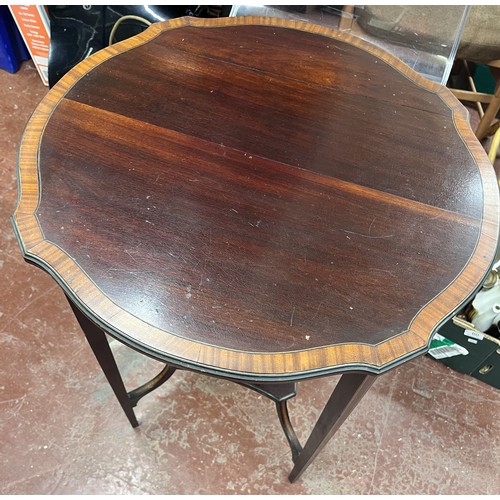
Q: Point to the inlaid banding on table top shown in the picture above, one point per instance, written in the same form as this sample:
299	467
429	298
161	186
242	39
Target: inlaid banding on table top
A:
465	225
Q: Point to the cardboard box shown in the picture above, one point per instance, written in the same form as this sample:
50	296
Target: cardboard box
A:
469	352
34	26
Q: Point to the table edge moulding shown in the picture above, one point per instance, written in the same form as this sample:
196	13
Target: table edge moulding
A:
279	366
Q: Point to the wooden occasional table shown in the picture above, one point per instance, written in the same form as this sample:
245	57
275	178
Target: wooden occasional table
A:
257	199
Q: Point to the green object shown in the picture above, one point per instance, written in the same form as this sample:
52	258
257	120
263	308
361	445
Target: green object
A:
483	79
440	341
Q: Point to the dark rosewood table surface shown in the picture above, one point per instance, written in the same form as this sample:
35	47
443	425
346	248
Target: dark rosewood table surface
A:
257	198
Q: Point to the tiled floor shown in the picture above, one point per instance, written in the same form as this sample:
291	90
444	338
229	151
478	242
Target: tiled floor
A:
421	429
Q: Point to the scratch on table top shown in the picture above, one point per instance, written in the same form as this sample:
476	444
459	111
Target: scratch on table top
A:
370	228
384	271
317	309
292	315
131	256
367	235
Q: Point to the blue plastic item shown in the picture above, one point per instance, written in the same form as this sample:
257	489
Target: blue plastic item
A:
12	47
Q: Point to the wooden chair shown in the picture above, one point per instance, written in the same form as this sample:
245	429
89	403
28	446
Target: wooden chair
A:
488	125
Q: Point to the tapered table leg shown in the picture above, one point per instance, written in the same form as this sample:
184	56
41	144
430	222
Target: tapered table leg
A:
349	391
100	346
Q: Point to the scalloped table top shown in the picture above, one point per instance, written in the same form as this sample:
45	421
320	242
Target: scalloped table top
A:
258	198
